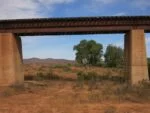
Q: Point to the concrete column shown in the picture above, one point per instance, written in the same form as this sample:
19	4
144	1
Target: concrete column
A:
137	59
18	60
11	60
126	56
1	62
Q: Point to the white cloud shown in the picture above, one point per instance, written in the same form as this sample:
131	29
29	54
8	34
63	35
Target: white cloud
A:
119	44
141	3
96	6
13	9
148	40
18	9
120	14
135	3
55	1
105	1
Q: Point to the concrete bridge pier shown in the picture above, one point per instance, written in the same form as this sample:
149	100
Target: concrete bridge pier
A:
126	56
135	56
11	68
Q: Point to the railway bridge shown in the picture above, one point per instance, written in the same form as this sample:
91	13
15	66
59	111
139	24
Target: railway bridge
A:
134	27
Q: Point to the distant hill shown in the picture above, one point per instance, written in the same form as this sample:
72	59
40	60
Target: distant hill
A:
47	61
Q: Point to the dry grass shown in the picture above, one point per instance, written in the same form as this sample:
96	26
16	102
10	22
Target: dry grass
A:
68	71
70	94
66	97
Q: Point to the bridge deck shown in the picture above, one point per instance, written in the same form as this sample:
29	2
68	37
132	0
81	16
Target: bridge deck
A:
76	25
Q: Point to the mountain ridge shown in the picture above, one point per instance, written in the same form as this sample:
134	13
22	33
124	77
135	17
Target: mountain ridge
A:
47	61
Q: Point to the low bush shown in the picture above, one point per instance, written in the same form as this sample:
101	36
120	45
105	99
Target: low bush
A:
149	69
92	77
137	93
80	79
47	76
29	77
110	109
65	68
13	90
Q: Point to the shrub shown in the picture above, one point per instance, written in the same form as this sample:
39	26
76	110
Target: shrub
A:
110	109
149	69
58	66
80	78
65	68
137	93
13	90
51	76
93	79
46	76
8	92
29	77
39	76
94	96
90	77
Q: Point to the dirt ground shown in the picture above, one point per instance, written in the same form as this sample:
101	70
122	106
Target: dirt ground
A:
63	97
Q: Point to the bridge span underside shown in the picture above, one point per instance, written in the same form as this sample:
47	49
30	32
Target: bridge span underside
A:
134	27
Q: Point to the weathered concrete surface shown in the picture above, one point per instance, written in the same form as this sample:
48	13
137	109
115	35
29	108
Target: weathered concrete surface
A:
126	56
136	55
11	70
1	64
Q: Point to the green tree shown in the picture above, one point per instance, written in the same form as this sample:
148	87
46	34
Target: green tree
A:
148	64
88	52
114	56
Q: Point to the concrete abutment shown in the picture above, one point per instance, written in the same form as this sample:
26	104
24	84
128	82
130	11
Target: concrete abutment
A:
11	68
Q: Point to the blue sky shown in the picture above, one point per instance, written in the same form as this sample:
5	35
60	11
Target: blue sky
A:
62	46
